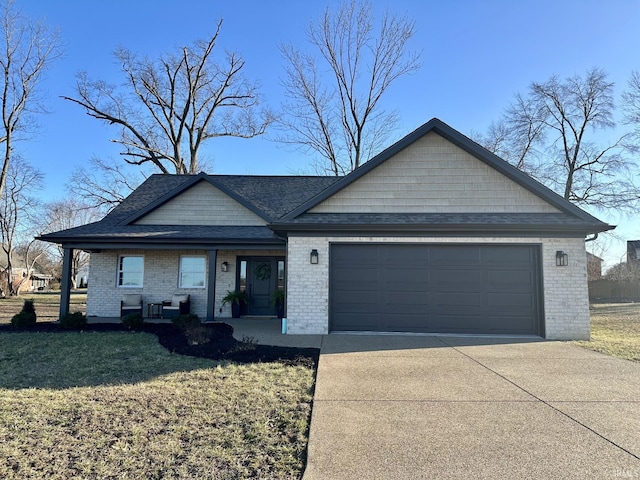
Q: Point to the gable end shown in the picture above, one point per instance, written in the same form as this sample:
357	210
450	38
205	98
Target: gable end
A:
198	202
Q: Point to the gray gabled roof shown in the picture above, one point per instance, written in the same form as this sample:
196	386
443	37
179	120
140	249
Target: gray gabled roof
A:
270	197
438	126
283	202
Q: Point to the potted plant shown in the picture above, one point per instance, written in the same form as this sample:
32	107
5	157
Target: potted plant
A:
235	298
277	299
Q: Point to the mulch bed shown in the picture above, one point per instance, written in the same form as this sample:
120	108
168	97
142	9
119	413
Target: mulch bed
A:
214	341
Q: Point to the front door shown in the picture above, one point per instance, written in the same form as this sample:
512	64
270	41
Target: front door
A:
262	282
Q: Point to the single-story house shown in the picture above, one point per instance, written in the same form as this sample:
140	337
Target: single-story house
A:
434	234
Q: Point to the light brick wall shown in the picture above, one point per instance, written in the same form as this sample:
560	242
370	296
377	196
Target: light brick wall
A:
433	175
566	302
161	269
202	204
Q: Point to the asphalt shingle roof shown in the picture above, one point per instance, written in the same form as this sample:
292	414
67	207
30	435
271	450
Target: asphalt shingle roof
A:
273	195
157	233
284	203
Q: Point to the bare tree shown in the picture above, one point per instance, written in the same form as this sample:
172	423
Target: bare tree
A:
338	115
17	209
104	184
172	105
551	134
26	50
631	100
65	214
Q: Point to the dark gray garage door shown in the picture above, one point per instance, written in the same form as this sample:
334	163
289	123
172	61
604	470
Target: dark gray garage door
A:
492	289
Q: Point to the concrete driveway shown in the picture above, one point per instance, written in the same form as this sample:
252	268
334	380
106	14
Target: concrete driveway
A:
411	407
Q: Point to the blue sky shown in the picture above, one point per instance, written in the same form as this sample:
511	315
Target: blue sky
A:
475	55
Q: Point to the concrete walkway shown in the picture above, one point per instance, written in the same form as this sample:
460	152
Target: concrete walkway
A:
413	407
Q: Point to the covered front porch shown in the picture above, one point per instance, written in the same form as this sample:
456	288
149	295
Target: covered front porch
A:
207	275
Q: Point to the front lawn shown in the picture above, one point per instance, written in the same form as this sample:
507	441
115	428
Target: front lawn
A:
116	405
615	330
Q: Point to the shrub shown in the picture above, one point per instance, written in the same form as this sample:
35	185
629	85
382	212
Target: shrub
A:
133	321
26	317
185	321
73	321
23	320
28	307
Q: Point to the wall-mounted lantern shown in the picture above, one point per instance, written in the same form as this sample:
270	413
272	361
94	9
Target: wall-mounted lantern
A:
562	259
314	257
224	267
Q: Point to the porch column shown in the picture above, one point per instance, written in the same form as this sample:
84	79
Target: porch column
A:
211	291
65	281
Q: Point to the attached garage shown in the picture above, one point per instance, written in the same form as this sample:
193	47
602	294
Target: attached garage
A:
442	288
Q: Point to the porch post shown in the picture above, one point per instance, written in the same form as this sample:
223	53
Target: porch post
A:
65	283
211	291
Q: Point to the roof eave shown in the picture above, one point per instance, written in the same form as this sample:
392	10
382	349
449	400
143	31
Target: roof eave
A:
96	244
422	228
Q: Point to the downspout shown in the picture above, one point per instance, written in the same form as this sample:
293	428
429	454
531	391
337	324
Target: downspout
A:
595	235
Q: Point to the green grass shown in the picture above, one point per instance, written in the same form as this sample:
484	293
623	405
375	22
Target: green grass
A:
119	406
615	330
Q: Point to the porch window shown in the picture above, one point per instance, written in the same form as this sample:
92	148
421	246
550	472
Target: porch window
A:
192	272
281	275
130	271
242	284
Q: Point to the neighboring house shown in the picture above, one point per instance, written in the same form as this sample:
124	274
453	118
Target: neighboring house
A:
594	267
434	234
633	251
21	278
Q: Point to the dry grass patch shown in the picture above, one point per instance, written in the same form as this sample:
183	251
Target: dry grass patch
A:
47	305
615	330
117	405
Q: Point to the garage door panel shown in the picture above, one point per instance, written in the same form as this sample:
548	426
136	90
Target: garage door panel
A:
510	277
359	322
455	323
411	254
405	276
508	255
405	323
403	309
456	276
362	286
454	255
405	297
435	288
500	300
368	254
448	300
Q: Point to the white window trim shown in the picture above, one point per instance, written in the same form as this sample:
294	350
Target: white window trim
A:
204	285
119	271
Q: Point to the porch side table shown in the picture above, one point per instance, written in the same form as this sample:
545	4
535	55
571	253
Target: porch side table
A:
154	310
